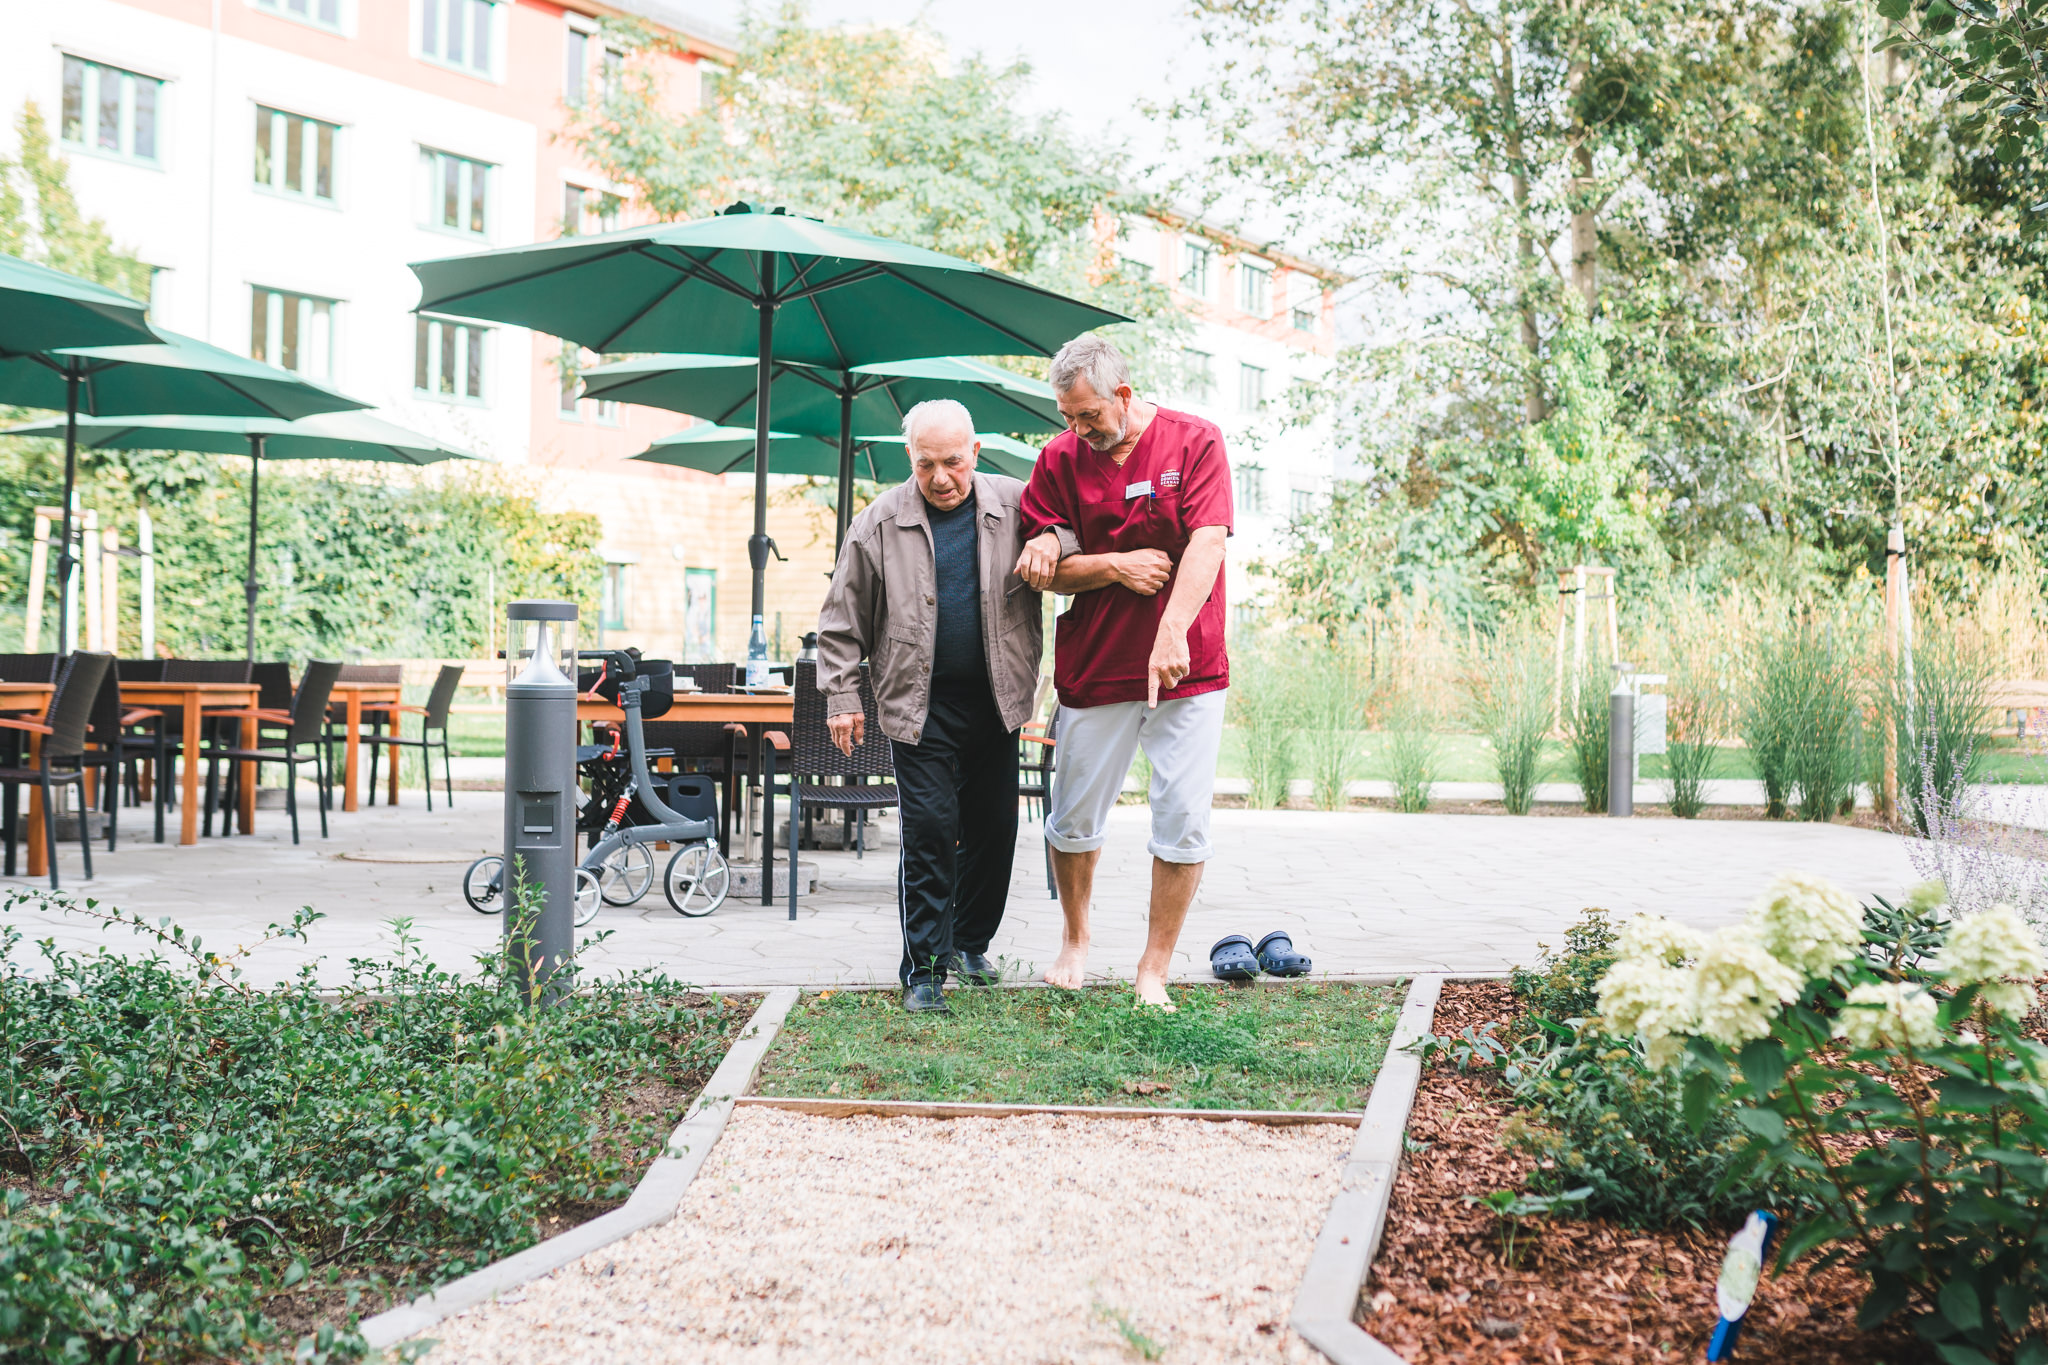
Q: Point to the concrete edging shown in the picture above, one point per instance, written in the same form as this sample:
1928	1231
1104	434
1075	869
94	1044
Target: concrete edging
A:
1326	1305
654	1200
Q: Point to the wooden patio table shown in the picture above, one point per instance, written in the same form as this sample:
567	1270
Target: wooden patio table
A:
193	698
353	695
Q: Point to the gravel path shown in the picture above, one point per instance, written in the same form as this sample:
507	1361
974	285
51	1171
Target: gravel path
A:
913	1240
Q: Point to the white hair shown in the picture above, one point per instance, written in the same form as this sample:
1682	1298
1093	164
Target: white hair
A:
1094	359
943	411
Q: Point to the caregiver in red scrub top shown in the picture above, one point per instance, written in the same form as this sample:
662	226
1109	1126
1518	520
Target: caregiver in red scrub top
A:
1129	510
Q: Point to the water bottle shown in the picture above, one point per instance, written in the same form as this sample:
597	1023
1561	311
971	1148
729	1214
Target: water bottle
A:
757	657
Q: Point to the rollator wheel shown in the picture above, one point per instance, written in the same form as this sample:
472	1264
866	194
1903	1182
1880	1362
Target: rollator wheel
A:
589	896
697	880
484	883
627	874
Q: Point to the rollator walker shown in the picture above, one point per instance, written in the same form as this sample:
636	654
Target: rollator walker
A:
625	814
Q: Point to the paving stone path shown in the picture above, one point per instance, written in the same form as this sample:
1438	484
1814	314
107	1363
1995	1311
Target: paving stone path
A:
1362	892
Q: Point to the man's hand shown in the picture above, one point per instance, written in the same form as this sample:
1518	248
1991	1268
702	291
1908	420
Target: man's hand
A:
1169	663
1144	572
848	730
1040	561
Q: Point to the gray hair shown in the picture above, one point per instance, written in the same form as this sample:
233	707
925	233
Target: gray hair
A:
1094	359
940	410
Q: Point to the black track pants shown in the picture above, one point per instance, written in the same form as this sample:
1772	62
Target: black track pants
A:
959	820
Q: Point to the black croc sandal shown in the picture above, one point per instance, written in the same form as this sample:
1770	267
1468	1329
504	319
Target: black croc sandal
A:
1277	955
1232	959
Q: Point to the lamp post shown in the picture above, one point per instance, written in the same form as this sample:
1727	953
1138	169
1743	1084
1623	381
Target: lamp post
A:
540	795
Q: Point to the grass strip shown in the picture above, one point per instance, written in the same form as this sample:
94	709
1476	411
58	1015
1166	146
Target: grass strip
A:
1312	1046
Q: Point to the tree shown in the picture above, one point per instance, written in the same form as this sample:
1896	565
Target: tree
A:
867	127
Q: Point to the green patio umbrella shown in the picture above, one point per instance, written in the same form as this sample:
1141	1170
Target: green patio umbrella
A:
814	401
880	459
174	374
769	284
325	436
43	310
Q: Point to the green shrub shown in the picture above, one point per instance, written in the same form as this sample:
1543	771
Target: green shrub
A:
1336	688
1586	719
1880	1056
1934	708
1264	706
183	1146
1414	754
1695	718
1802	719
1565	985
1512	699
1601	1117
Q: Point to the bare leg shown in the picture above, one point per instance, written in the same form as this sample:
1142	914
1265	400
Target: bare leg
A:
1173	890
1074	874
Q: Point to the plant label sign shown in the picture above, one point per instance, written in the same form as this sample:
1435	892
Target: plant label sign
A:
1741	1269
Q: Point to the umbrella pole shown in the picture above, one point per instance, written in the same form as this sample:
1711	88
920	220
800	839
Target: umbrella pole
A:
249	584
757	544
845	517
64	559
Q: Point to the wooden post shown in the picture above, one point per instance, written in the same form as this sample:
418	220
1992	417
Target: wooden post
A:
145	585
89	566
38	572
110	588
1894	575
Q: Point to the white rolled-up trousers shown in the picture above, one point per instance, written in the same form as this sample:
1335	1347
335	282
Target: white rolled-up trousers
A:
1096	743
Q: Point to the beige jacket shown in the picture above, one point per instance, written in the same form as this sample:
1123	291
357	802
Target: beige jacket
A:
883	606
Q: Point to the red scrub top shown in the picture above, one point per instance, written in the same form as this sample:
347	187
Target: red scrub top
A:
1176	480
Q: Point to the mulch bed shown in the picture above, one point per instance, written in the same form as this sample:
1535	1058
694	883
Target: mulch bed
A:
1583	1291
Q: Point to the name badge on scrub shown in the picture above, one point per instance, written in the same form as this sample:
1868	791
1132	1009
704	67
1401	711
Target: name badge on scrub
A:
1141	489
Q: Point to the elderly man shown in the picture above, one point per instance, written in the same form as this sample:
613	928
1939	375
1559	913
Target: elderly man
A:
925	591
1138	658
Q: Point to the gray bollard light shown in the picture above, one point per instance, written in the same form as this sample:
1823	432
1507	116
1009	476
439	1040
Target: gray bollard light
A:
1621	746
540	793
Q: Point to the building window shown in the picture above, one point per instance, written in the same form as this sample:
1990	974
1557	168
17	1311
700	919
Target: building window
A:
1301	503
608	411
612	609
1201	375
295	155
457	191
586	210
1251	388
700	615
459	32
448	358
576	68
1251	488
708	84
612	74
1255	289
569	366
159	291
292	331
1307	314
326	13
1197	265
111	110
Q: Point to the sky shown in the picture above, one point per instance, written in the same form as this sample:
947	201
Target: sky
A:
1094	61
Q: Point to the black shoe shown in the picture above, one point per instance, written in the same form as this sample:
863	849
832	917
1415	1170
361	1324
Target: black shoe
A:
925	997
974	968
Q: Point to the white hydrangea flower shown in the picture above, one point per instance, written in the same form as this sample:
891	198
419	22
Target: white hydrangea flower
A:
1654	1002
1808	923
1655	939
1895	1013
1741	985
1998	951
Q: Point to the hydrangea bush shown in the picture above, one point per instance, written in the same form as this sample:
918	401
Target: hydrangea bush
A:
1877	1059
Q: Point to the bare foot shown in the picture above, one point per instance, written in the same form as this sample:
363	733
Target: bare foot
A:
1151	990
1070	970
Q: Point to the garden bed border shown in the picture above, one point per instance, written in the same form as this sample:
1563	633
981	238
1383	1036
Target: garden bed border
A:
833	1107
1326	1305
654	1199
